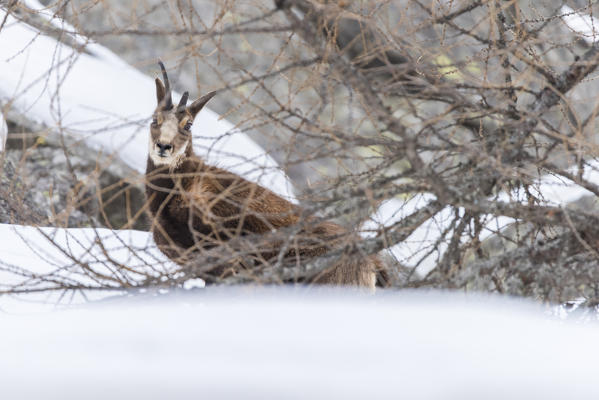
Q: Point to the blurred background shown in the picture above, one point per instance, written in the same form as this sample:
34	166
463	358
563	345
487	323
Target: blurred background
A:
455	138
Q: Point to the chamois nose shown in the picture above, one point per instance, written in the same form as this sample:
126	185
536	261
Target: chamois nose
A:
163	147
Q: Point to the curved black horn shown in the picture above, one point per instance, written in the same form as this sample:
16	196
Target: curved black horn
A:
168	100
183	102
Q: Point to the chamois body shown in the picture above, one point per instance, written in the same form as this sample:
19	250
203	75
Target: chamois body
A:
195	206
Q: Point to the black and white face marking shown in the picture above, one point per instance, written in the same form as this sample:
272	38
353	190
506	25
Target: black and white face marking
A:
170	137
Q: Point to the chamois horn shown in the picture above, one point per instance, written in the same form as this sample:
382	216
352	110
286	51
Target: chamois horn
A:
168	100
183	102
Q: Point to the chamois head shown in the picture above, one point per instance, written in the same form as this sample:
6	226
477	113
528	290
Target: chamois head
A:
170	138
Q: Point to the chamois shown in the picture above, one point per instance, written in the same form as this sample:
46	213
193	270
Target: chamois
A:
194	205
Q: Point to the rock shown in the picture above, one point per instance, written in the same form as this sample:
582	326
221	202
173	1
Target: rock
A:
17	205
47	183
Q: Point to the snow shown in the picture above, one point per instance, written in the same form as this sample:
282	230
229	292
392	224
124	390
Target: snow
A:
582	24
193	284
3	132
407	252
36	257
554	190
296	344
245	342
412	252
98	97
28	245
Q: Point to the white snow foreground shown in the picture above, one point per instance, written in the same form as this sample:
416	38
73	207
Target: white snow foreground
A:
96	96
285	343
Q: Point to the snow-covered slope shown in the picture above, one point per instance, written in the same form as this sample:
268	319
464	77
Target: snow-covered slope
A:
95	95
283	344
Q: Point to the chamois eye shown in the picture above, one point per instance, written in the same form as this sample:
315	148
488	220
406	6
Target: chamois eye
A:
187	126
154	121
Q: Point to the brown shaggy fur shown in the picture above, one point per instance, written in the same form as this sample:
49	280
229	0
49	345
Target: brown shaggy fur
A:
195	205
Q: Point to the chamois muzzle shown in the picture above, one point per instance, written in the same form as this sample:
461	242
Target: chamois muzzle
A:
162	148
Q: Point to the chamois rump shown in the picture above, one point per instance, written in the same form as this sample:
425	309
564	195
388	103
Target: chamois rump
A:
196	206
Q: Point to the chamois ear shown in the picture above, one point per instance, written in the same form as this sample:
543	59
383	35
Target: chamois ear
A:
160	92
197	105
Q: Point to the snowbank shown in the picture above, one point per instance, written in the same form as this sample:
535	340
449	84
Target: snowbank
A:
292	344
92	94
